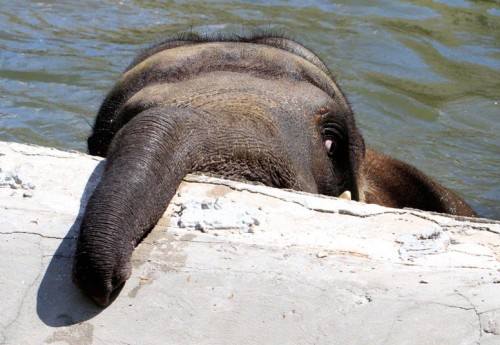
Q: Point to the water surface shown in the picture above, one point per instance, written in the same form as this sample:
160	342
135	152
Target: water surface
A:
423	76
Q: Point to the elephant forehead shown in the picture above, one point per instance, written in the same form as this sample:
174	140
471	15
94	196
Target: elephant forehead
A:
185	62
237	94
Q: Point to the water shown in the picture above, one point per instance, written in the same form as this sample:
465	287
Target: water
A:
422	76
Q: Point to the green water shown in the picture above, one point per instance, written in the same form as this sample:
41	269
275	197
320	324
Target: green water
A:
423	76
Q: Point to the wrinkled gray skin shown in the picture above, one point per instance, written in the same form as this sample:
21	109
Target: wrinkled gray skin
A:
261	109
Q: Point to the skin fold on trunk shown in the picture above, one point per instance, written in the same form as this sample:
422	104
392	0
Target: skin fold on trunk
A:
146	163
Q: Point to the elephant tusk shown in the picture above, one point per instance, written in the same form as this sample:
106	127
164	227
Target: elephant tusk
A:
346	195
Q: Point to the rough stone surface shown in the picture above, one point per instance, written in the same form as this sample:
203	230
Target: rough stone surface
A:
233	263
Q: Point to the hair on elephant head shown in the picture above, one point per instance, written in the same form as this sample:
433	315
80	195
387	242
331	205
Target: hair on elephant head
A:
261	108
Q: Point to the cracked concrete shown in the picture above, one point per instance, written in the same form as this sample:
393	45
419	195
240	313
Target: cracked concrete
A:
242	263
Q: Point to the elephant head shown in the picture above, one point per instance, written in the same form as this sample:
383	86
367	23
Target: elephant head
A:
262	108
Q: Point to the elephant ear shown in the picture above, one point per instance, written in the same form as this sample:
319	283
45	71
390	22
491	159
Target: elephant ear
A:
392	183
354	150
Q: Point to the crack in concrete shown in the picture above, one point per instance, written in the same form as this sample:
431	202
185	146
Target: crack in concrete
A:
264	193
418	214
303	282
426	265
489	311
391	329
79	154
451	306
23	300
472	254
478	315
42	211
34	233
224	270
471	308
415	213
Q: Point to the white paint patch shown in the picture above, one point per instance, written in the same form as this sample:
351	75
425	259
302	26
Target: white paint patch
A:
15	181
223	214
414	246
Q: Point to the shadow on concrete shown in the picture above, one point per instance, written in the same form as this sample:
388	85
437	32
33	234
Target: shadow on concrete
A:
59	302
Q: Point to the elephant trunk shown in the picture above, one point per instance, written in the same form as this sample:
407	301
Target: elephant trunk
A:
146	162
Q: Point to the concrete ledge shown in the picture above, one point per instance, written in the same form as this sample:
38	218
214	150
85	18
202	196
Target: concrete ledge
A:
233	263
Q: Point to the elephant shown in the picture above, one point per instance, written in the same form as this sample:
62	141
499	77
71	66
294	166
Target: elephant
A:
259	108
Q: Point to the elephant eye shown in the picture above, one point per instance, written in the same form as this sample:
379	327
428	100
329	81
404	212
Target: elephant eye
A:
332	137
330	146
